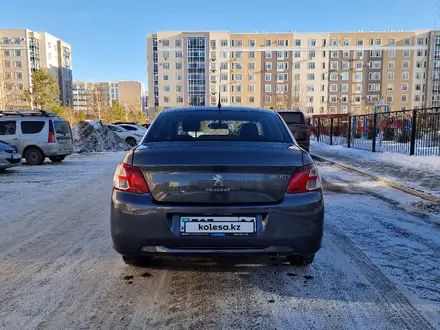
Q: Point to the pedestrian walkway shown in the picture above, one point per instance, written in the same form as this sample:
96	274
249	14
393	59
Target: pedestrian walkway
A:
418	172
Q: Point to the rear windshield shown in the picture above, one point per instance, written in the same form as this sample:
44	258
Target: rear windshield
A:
62	127
293	118
200	125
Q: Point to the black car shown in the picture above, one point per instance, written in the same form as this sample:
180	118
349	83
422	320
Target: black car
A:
210	181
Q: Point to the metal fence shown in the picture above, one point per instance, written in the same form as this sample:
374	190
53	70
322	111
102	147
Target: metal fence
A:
411	132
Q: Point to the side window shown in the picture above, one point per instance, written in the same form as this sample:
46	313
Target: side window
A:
8	127
129	128
32	127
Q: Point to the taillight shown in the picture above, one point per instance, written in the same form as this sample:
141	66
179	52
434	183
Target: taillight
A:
130	179
305	179
51	137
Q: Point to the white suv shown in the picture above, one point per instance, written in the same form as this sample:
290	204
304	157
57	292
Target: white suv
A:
131	137
37	135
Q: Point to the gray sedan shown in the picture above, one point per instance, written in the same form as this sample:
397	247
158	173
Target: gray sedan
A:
224	181
9	156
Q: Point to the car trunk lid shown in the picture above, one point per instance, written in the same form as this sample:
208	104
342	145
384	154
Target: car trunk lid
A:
210	173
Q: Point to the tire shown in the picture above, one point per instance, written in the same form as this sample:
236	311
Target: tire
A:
300	260
57	159
130	141
137	260
34	156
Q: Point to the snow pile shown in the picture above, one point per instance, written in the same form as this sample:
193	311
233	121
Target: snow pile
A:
95	137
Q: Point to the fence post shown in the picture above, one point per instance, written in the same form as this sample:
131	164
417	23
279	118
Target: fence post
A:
413	133
318	133
349	132
331	131
374	131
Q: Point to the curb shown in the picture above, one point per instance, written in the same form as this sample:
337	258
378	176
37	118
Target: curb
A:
408	190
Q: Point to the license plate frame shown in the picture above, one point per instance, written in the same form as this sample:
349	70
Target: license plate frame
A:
218	225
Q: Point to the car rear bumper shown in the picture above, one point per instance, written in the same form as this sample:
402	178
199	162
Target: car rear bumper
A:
57	149
140	226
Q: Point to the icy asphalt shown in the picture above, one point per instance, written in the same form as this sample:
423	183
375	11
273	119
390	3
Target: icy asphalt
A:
378	269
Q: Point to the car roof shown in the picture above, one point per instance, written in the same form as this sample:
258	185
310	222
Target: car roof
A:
222	109
289	111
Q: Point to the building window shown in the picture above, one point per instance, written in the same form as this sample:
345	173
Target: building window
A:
251	99
344	88
236	43
312	54
346	42
165	43
267	99
251	77
374	76
6	52
280	77
166	66
375	53
267	54
391	42
310	88
251	65
390	76
333	88
333	76
213	54
297	54
178	43
311	76
179	66
420	53
418	87
359	65
268	43
404	98
251	54
311	65
375	65
405	75
360	42
406	53
334	54
374	87
407	41
358	76
392	53
406	64
334	42
167	88
238	54
297	42
344	76
251	43
224	55
237	66
178	88
360	54
19	64
223	43
268	66
344	99
224	65
19	75
17	52
391	65
213	43
297	65
178	77
166	55
389	98
267	77
390	87
358	88
178	53
332	109
237	77
166	99
345	54
224	77
310	99
404	87
345	65
377	42
312	42
268	88
236	99
333	99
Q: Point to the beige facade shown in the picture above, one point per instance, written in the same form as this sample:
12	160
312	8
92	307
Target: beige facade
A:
347	72
22	51
88	96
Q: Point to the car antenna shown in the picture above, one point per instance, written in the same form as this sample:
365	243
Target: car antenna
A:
219	104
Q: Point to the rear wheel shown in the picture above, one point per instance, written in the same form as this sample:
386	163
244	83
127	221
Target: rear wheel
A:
300	260
57	159
137	260
130	141
34	156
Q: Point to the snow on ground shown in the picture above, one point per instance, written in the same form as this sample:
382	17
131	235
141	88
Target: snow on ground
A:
418	172
24	187
378	267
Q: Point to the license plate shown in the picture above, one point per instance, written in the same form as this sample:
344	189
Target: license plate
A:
218	225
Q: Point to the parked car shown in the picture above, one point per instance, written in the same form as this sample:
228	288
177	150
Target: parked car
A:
9	156
133	127
210	181
131	137
37	135
147	126
297	125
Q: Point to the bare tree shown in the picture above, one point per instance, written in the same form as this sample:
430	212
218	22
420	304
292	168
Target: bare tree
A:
98	101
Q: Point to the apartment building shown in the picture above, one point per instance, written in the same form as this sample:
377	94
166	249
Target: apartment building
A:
23	51
347	72
88	96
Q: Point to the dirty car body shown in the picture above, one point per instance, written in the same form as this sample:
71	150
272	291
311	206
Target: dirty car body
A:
204	181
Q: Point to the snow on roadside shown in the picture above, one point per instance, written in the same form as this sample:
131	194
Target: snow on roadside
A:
22	188
95	137
430	163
